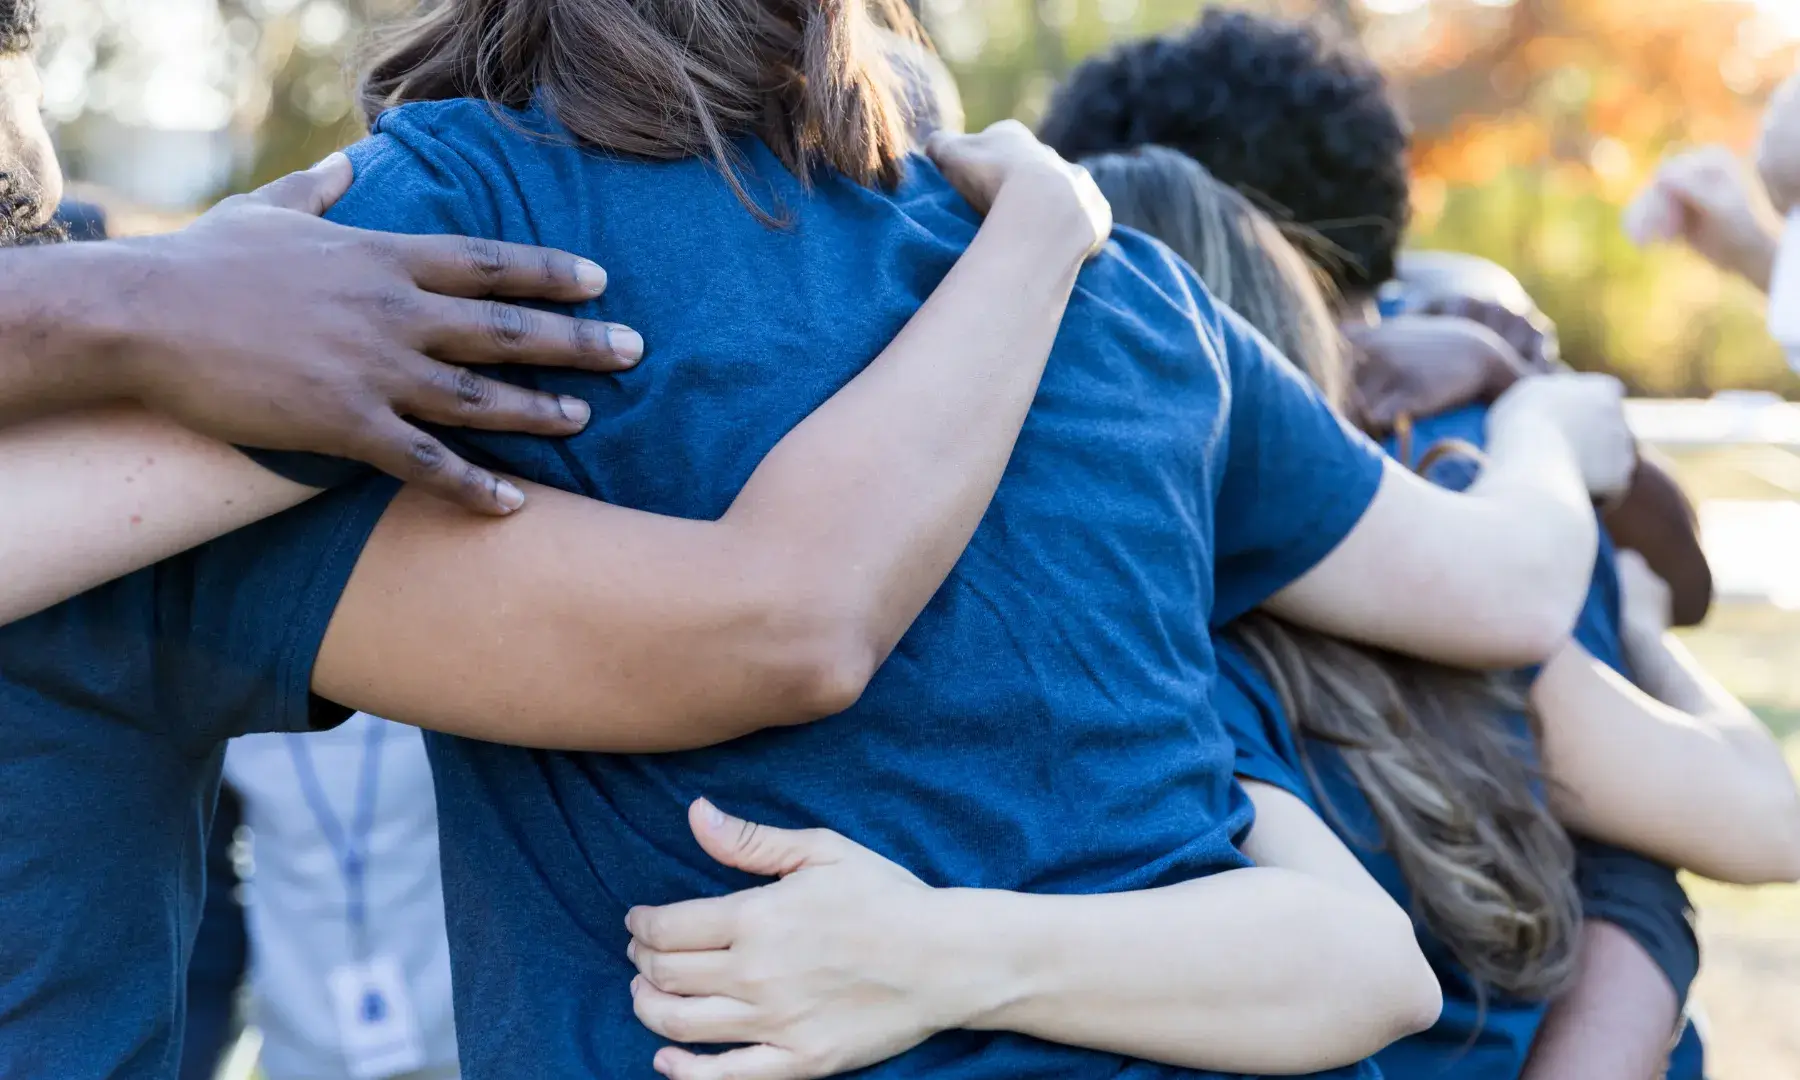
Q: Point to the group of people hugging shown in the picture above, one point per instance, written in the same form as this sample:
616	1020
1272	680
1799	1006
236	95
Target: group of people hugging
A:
1063	605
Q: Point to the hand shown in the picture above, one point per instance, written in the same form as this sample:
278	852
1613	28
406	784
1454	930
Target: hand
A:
1708	200
1421	365
1778	152
1646	608
1588	411
980	165
262	325
820	972
1530	332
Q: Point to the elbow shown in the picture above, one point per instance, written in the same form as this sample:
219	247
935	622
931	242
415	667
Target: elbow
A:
1410	990
1544	598
1778	860
827	659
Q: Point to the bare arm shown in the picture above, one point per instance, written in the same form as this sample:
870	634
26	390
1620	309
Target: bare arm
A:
1300	964
96	495
1679	770
1615	1023
603	628
1512	555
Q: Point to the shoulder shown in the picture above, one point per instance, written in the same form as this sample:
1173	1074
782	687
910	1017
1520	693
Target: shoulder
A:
444	166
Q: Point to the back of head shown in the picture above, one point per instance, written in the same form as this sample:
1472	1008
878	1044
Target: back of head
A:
1456	273
1283	111
1240	254
671	79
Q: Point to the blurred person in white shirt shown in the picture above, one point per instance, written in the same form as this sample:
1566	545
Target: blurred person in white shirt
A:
344	843
1741	215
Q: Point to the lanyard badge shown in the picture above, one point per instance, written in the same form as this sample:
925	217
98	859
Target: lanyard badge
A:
377	1023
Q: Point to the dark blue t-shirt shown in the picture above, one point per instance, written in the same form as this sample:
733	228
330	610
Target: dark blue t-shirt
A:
1642	897
114	709
1045	726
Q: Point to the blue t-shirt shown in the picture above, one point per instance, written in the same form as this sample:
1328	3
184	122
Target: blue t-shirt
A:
114	711
1046	724
1621	887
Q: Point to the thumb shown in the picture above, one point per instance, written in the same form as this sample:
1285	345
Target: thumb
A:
311	192
761	849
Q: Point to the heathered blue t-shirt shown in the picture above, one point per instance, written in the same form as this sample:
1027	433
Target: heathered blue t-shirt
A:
1618	886
1045	726
114	711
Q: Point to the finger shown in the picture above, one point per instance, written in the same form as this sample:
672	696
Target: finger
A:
761	849
690	926
471	267
403	451
455	396
491	332
691	974
311	192
693	1019
748	1063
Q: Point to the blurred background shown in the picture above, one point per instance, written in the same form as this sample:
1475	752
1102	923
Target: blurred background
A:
1536	121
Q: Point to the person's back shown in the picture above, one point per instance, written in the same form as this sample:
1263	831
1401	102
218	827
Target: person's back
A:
1045	726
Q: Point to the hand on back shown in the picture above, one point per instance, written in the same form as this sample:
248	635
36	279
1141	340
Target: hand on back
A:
263	325
980	165
1421	365
1587	411
1710	201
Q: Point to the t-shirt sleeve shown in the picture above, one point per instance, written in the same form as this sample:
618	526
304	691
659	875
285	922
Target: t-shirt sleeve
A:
1297	477
213	643
1264	743
407	181
1644	899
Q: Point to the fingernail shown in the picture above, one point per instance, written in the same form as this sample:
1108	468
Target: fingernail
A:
636	984
715	818
631	950
332	161
509	496
574	409
590	276
626	343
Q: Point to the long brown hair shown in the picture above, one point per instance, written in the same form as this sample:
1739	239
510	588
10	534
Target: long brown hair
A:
670	79
1436	750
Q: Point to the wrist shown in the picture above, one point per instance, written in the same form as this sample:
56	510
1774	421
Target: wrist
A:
1052	205
976	976
1755	260
66	344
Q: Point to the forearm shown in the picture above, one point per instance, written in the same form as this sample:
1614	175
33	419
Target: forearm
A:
868	503
1512	556
94	495
55	352
1253	971
629	632
1615	1023
1656	520
1692	780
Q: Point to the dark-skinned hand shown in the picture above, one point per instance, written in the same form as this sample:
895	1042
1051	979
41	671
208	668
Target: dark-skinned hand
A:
263	325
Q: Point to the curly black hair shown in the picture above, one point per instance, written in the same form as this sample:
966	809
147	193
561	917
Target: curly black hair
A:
1296	118
18	26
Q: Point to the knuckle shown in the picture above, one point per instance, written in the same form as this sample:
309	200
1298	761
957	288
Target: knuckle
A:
485	260
473	393
425	454
393	305
507	325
